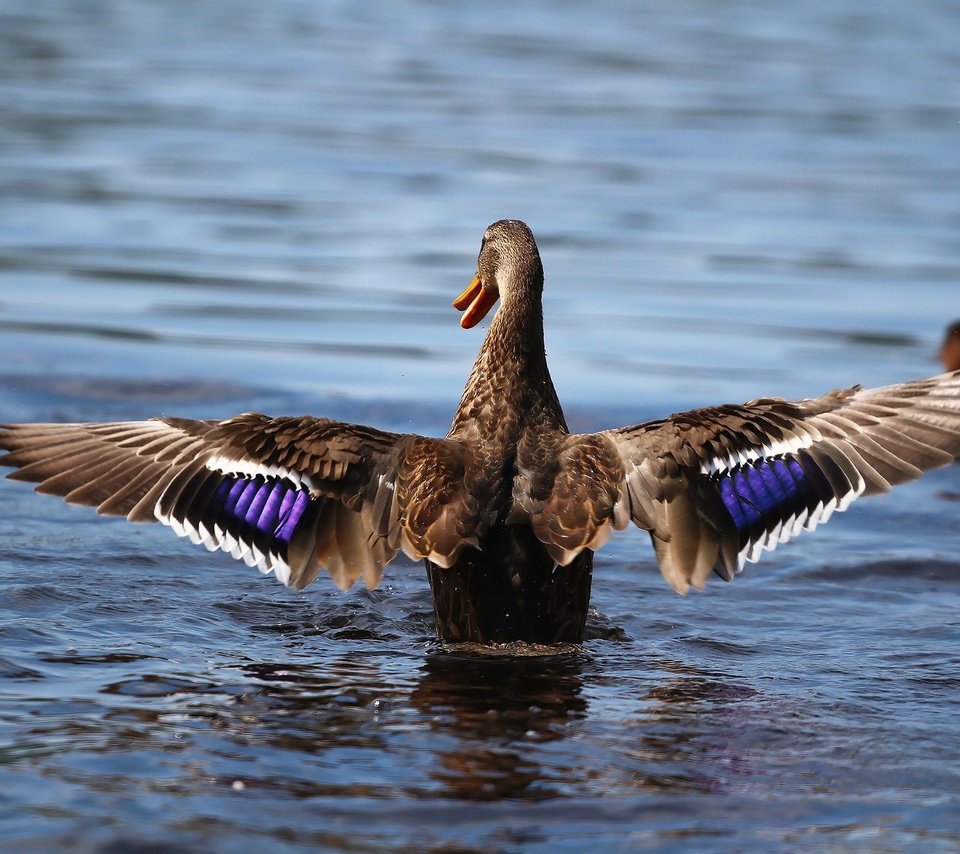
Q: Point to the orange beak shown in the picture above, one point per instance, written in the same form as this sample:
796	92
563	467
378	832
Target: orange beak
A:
474	302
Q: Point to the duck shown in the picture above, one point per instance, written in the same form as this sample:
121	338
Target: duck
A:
508	509
949	353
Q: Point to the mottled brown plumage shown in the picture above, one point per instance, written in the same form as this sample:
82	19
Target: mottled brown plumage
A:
509	507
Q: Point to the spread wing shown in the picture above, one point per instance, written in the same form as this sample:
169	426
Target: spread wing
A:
287	495
716	487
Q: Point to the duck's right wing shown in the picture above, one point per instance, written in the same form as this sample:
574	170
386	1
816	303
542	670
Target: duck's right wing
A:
715	487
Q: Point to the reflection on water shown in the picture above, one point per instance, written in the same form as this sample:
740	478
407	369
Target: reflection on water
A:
215	208
492	722
500	712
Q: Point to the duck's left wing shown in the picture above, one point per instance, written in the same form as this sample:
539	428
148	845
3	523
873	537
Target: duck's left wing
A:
715	487
287	495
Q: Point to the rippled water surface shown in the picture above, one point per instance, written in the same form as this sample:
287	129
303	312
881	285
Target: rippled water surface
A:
211	208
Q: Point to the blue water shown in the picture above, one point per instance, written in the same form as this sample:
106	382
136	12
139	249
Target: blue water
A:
212	208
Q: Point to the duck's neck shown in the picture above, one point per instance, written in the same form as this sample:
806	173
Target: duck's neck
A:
510	387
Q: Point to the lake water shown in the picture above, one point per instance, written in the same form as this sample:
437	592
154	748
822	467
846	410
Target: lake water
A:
212	208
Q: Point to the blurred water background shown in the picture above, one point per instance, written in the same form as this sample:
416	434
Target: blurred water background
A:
210	208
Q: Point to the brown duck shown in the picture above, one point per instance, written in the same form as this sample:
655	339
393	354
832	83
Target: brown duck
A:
508	509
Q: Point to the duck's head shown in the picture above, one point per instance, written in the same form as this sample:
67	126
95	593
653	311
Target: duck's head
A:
508	264
950	349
